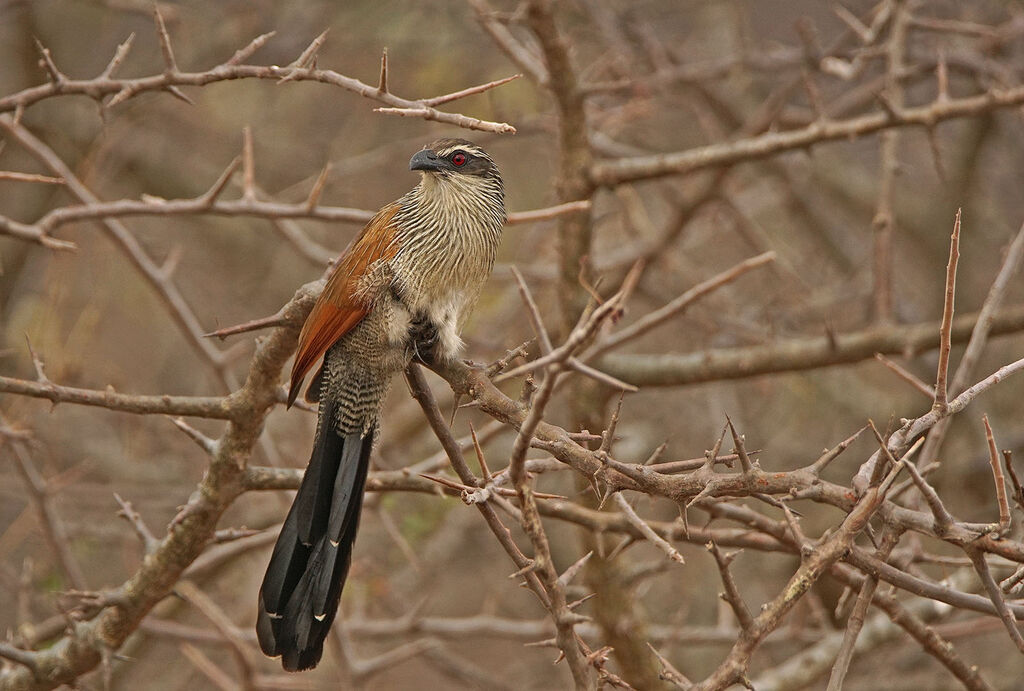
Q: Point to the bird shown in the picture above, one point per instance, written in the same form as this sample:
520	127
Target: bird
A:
401	291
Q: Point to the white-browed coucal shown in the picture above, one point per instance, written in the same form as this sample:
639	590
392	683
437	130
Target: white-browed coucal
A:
403	290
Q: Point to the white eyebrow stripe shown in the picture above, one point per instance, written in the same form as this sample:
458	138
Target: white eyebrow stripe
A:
467	149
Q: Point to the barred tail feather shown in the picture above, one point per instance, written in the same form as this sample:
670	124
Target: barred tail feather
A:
307	570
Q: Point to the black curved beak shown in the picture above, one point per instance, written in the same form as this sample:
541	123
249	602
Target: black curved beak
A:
427	161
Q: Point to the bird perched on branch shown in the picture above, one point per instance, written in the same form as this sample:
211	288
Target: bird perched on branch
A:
403	290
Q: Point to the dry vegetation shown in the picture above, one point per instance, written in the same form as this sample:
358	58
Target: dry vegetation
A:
740	230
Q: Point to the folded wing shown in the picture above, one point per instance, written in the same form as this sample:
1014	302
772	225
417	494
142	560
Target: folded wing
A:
344	301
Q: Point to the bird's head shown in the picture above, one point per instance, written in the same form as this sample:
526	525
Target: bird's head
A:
454	159
459	178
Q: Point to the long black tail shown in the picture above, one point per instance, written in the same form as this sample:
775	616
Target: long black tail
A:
300	592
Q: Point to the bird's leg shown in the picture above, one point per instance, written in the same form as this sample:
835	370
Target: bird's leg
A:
423	337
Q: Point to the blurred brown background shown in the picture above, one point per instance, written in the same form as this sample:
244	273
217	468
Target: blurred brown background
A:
95	322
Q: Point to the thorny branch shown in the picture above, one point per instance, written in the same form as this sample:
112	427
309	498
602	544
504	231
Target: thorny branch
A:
882	535
302	69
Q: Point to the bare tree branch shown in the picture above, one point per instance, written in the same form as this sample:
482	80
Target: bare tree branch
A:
610	173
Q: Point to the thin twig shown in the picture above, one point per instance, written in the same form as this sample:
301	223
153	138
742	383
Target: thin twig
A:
128	512
884	221
53	526
993	301
907	376
679	305
947	316
30	177
732	593
996	595
1018	490
997	476
855	623
647	531
454	96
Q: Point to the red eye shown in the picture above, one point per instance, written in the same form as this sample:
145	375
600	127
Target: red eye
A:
459	159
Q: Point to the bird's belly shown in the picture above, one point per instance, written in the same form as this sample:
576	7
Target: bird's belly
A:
427	323
436	292
434	327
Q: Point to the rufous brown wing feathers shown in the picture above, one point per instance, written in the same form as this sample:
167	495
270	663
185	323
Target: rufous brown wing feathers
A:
342	304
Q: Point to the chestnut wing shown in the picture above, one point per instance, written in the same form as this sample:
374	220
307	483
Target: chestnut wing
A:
344	301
